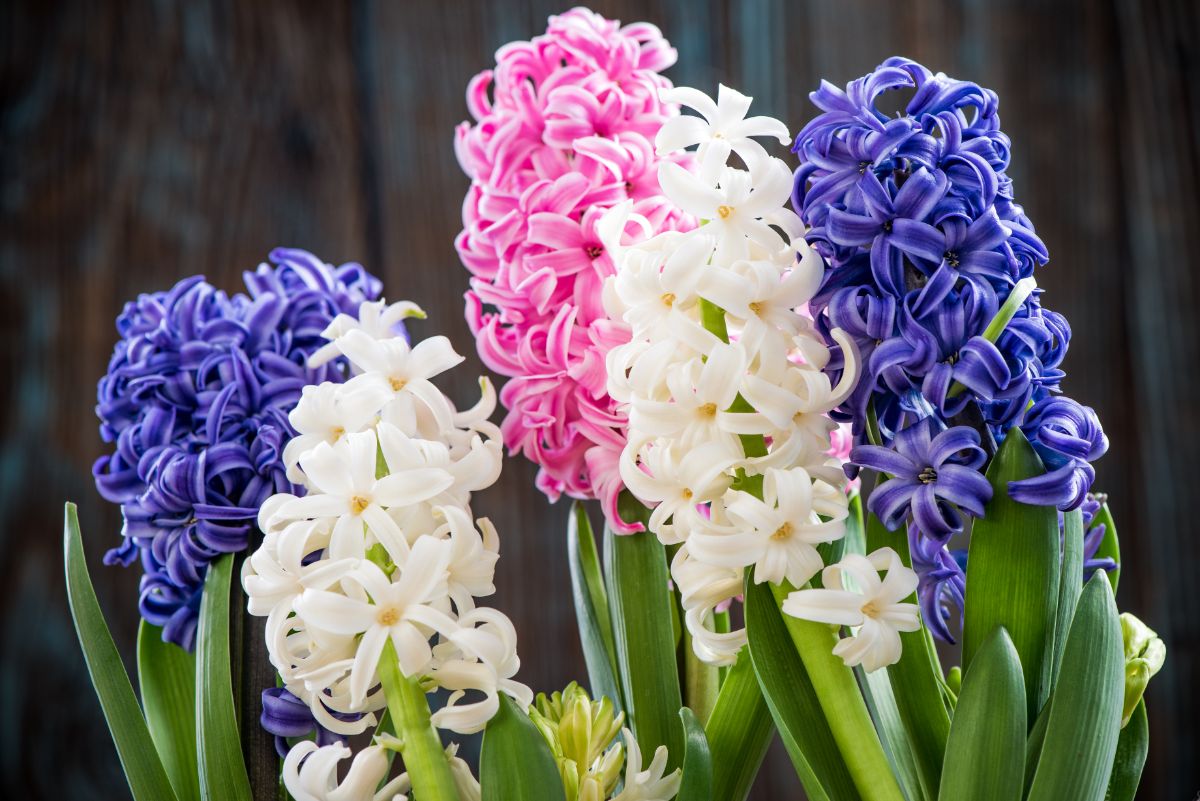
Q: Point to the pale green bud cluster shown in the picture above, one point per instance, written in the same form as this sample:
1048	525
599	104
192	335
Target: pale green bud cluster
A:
1144	656
580	732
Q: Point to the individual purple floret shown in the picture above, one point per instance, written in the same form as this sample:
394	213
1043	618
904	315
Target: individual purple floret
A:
933	477
1067	436
942	582
196	399
286	716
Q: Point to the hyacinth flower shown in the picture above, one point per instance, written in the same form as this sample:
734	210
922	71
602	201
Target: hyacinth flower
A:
563	129
196	400
930	269
729	440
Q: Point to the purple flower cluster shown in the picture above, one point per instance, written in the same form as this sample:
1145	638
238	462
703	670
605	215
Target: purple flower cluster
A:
926	250
196	398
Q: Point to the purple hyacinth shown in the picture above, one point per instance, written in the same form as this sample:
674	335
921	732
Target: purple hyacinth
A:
286	716
942	583
1067	436
934	477
196	398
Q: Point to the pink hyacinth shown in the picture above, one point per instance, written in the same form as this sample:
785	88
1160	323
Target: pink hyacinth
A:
564	130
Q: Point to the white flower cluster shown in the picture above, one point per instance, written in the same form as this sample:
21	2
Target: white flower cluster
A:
722	380
383	547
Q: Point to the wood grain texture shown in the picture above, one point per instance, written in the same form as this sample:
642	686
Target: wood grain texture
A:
144	142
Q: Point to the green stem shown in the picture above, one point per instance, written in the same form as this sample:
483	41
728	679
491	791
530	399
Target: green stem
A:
420	745
843	705
701	681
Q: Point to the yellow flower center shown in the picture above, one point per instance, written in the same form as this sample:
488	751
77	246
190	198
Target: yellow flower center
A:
397	384
708	410
687	494
338	432
388	616
724	211
869	609
358	504
668	298
783	532
757	308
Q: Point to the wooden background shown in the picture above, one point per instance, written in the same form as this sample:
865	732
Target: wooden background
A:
145	141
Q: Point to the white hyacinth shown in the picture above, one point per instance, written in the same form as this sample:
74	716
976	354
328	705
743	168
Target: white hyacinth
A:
722	379
382	548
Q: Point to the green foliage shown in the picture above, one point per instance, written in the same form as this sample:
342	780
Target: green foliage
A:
985	753
1013	571
591	607
1085	714
640	605
222	769
697	761
167	678
739	731
793	701
143	769
516	763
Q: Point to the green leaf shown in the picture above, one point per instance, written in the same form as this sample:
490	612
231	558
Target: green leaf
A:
1110	546
591	608
1085	715
739	732
223	774
1070	585
792	701
914	678
881	702
640	605
516	763
842	702
985	755
697	761
144	771
1132	747
1033	746
1012	571
167	678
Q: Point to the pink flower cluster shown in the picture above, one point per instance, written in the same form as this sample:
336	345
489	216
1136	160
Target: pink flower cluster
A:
564	130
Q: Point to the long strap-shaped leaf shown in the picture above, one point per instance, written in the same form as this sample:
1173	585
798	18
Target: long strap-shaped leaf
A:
985	755
914	679
1085	715
516	763
1012	571
167	677
793	702
640	606
697	761
1070	585
147	779
739	731
1132	748
591	608
223	774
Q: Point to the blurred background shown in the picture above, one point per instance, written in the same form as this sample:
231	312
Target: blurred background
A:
146	141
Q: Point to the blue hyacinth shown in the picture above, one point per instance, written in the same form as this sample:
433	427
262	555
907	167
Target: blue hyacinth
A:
924	243
196	399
